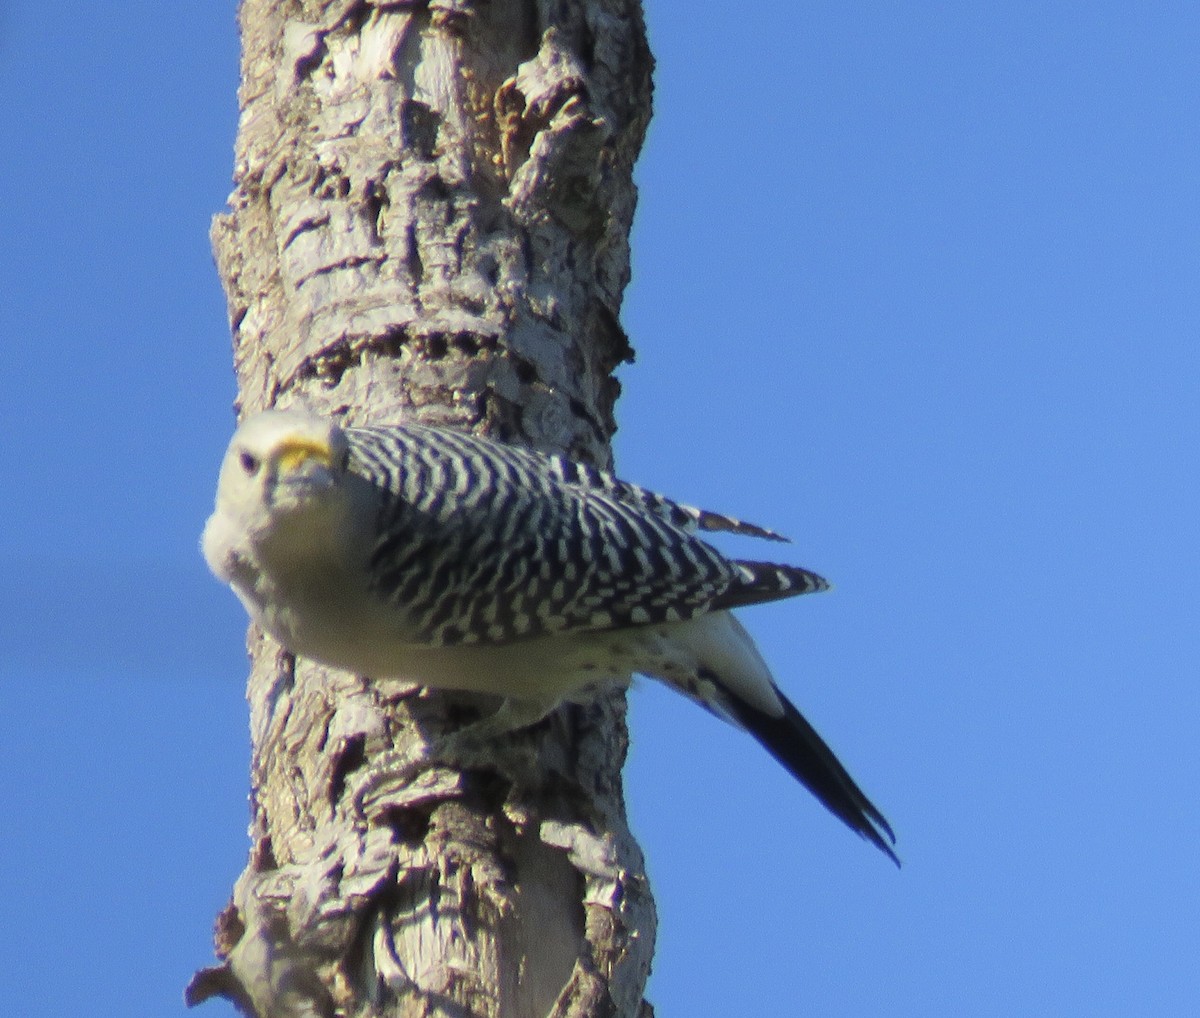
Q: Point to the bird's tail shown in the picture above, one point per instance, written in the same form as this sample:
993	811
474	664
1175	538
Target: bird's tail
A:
792	741
713	660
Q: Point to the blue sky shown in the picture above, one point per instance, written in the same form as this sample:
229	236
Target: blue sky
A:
918	288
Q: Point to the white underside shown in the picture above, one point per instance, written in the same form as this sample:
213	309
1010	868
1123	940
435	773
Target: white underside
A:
543	670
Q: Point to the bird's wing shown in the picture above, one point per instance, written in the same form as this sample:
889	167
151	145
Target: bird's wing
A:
482	543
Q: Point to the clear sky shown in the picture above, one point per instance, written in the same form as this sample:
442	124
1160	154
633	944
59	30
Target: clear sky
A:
920	288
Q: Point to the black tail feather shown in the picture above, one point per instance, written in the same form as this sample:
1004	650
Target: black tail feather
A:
792	741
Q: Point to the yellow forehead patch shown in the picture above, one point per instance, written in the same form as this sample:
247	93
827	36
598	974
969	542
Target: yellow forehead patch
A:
295	451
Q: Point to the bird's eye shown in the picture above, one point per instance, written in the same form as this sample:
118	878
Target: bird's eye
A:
250	463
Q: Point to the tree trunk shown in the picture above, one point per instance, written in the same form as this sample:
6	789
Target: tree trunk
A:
430	220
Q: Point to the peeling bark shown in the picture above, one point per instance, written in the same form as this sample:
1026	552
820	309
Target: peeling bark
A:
431	220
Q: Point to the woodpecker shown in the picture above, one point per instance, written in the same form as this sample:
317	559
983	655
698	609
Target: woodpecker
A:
453	561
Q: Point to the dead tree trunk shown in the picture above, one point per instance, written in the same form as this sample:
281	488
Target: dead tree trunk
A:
431	219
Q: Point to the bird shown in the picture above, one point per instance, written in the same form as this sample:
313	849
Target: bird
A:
432	555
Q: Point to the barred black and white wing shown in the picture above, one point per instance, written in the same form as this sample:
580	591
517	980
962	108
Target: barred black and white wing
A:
481	542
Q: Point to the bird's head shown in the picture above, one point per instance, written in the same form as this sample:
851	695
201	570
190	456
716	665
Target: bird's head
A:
280	479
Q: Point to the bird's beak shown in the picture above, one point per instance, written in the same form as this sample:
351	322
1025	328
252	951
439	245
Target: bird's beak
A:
295	452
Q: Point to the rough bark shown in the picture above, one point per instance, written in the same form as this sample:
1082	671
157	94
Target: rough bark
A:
431	220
